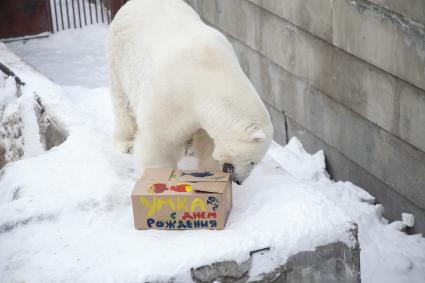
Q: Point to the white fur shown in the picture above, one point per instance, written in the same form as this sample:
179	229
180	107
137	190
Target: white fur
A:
174	78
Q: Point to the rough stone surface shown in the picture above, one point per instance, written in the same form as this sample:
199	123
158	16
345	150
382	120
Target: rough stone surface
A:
414	9
382	38
50	134
225	271
11	127
334	262
330	263
12	141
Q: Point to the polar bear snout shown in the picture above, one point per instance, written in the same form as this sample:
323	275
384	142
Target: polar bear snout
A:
237	181
240	173
239	178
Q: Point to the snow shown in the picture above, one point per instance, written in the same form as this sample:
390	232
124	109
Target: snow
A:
65	215
408	219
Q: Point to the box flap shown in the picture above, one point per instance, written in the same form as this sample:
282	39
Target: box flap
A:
157	174
209	187
201	176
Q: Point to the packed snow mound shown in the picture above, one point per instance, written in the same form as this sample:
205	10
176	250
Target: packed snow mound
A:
65	215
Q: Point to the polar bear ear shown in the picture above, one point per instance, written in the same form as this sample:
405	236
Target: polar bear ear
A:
258	135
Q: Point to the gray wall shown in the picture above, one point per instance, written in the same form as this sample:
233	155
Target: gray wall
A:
346	76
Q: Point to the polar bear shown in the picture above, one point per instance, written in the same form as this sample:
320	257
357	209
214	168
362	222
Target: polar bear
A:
174	78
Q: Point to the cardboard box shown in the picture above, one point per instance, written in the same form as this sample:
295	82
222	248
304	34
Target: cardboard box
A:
170	199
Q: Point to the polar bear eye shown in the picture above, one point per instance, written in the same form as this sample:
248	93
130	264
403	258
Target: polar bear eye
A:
252	163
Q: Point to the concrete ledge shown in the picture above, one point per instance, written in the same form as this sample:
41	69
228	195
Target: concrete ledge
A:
335	262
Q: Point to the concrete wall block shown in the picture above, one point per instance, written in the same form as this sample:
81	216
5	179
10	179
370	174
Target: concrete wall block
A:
341	167
364	89
275	86
380	153
382	38
412	115
414	9
314	16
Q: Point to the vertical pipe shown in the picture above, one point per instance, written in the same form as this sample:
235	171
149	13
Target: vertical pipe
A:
60	7
84	11
67	14
79	12
73	14
49	6
56	15
108	10
91	17
95	9
101	9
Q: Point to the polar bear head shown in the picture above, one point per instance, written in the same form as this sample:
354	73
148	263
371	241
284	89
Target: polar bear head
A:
244	152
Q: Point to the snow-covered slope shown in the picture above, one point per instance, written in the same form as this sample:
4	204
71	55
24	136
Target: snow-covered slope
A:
65	215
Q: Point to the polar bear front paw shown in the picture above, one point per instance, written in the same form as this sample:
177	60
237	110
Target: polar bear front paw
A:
124	146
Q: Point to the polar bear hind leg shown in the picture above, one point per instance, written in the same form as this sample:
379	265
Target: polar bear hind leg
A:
125	124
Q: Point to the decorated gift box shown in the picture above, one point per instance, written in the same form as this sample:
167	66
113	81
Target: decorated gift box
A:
172	199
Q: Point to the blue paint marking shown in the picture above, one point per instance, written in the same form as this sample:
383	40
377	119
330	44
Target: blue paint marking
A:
199	174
